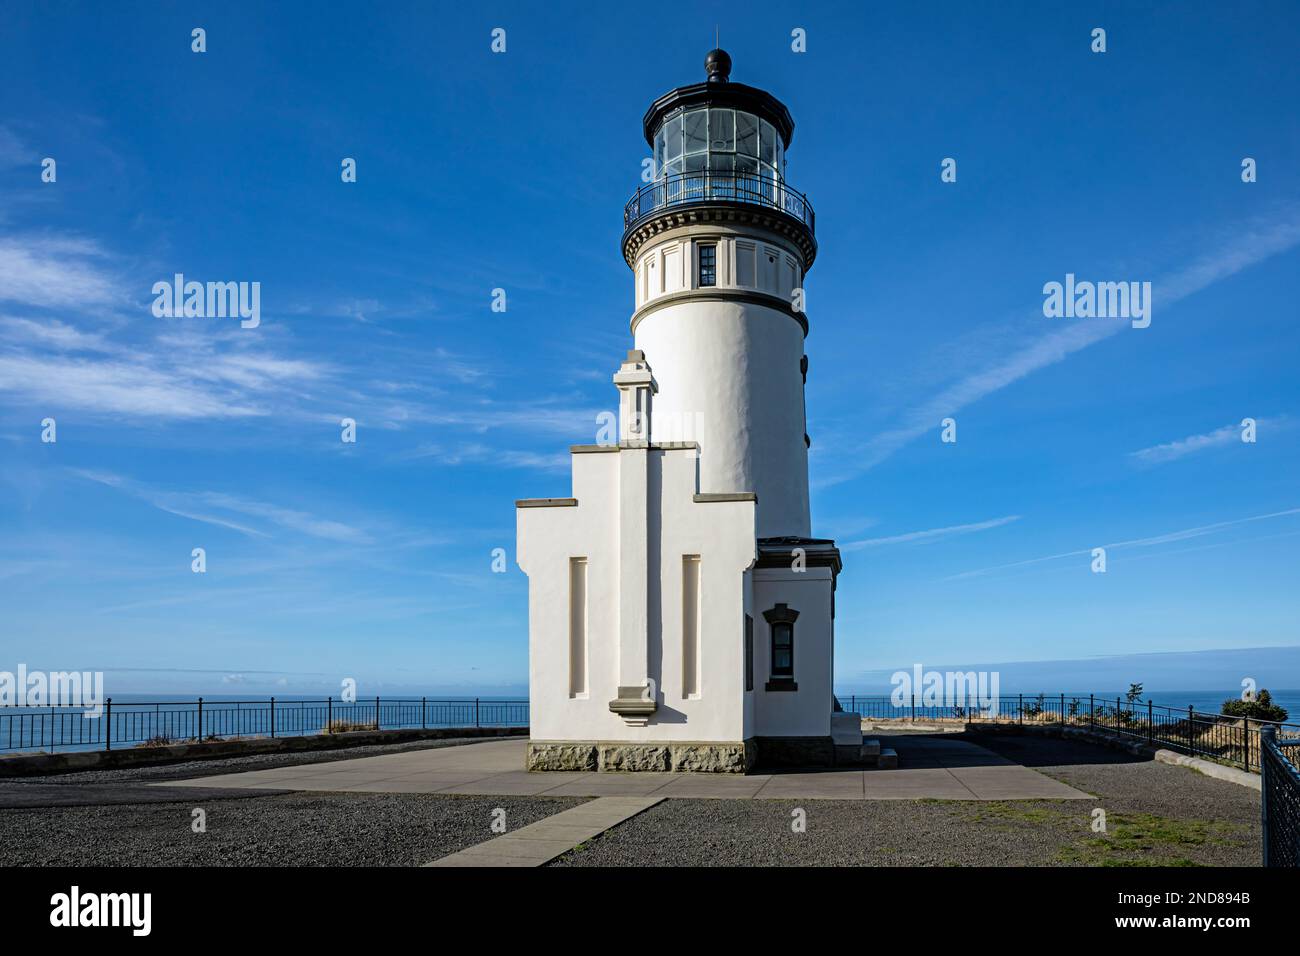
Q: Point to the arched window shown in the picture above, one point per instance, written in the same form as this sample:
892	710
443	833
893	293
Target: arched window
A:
780	621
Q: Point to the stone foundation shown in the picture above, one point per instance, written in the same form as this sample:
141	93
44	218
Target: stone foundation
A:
643	756
551	756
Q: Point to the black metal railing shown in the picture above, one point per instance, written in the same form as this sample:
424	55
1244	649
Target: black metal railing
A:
706	185
1232	740
51	729
1280	799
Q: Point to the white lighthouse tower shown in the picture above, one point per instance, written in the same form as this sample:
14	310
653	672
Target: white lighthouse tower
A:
680	615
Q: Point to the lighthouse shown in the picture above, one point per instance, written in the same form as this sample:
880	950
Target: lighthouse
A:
681	616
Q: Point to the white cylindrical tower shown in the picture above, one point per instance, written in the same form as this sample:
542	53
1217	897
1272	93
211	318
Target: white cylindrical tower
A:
719	245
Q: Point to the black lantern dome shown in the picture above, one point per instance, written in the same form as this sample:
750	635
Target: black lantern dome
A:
719	144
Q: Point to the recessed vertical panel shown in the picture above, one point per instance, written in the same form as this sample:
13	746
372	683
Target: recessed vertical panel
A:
577	627
690	625
745	264
672	269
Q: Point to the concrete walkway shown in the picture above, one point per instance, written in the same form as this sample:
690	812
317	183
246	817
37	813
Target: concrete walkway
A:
929	768
544	840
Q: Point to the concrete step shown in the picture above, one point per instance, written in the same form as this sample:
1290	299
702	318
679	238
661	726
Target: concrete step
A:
888	759
871	748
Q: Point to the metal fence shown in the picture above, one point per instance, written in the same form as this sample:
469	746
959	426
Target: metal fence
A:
1233	740
713	185
1280	799
50	729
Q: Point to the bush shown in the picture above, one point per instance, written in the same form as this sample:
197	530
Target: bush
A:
346	726
1262	708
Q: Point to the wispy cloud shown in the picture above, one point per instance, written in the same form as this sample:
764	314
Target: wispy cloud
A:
208	507
1167	538
55	272
1254	243
1171	451
932	534
477	454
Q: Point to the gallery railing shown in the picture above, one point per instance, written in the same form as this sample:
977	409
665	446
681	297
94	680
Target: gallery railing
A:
1280	799
708	185
1232	740
136	724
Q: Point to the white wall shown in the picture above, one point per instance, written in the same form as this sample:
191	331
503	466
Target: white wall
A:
807	711
721	533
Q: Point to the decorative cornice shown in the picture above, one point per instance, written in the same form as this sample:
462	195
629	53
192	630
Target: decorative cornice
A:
714	210
818	553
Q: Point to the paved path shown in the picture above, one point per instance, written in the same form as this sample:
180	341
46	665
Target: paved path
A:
929	767
544	840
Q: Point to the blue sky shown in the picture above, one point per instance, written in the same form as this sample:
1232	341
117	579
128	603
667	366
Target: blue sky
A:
479	170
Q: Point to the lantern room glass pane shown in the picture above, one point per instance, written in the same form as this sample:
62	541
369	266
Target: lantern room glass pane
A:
767	143
672	138
746	134
722	130
695	138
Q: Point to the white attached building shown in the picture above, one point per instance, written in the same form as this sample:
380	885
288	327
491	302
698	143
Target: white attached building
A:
680	616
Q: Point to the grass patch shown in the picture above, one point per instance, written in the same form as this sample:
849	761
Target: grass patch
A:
1024	811
1144	839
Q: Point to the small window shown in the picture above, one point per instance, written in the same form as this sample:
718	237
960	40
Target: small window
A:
749	652
782	649
780	620
708	265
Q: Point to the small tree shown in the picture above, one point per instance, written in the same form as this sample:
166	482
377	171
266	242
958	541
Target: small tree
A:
1261	708
1134	693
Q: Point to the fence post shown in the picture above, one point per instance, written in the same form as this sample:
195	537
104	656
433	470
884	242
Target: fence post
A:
200	738
1151	727
1092	712
108	724
422	719
272	716
1245	734
1191	728
475	711
1020	714
1265	741
376	712
329	714
1061	712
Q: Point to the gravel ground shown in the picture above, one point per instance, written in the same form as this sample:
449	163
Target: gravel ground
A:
201	768
111	817
298	829
1156	814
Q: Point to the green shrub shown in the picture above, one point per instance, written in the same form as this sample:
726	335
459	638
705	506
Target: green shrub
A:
1261	708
